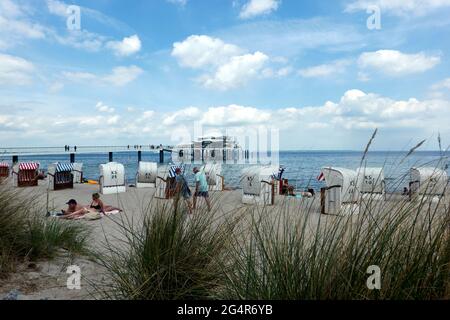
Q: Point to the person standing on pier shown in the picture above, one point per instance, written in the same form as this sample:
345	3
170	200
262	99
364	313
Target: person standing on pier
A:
75	148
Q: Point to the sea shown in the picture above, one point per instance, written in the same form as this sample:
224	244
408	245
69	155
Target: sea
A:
301	167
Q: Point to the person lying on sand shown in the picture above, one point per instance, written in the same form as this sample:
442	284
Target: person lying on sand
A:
74	210
97	204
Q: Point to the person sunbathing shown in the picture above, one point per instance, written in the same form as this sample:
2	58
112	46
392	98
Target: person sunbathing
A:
74	210
98	205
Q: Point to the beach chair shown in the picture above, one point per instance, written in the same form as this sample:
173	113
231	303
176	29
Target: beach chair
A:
371	183
60	176
216	181
4	170
340	196
25	174
165	181
146	175
112	178
258	186
77	172
428	182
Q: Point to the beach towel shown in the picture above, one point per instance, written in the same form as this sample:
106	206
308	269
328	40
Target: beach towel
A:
92	215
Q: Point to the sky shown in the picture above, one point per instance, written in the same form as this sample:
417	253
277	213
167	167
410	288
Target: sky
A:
324	74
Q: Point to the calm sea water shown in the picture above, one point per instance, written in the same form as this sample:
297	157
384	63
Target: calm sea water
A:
302	167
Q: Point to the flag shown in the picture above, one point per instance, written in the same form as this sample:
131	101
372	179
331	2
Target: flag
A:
321	177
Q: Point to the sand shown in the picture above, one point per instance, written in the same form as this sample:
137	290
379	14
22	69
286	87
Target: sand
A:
47	279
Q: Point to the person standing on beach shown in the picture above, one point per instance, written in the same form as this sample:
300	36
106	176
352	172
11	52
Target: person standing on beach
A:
182	188
201	187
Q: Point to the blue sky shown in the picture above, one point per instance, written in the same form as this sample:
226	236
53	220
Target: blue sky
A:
146	71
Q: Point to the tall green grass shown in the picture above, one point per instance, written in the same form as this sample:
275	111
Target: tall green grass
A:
26	234
285	252
291	259
168	256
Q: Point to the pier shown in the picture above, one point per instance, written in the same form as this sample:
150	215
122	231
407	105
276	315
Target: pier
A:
15	153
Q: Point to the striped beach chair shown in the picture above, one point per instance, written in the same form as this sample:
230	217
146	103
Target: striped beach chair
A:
60	176
165	181
25	174
4	170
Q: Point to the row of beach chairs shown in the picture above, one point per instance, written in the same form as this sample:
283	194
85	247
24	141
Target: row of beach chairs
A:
112	176
260	184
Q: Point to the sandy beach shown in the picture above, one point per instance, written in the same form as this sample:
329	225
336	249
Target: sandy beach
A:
47	279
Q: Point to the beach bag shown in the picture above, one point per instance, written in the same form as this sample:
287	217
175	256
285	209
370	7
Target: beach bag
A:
92	215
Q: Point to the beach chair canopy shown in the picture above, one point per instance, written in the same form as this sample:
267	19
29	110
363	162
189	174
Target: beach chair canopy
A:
346	178
428	180
147	172
28	166
371	180
253	176
4	165
113	174
64	167
174	167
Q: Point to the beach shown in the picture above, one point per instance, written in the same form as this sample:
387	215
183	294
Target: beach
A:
47	279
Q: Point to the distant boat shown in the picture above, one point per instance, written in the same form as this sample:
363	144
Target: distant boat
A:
209	149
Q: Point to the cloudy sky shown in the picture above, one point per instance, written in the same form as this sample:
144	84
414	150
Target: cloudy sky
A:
140	72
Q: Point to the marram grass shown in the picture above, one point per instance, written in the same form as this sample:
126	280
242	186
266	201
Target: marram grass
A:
26	234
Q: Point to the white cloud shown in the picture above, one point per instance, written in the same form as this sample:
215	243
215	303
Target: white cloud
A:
15	70
334	124
234	115
16	25
187	114
325	70
120	76
255	8
199	51
81	39
100	106
237	72
400	7
227	65
444	84
126	47
58	8
396	63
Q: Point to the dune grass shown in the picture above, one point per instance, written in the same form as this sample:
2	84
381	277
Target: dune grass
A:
27	235
289	259
169	256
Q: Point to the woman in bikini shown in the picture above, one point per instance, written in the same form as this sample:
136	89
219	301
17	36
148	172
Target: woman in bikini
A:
97	203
